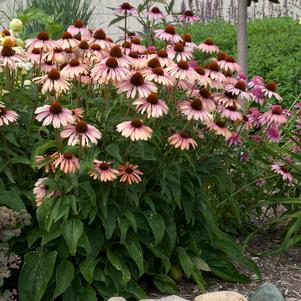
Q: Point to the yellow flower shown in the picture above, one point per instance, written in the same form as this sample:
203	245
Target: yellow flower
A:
16	25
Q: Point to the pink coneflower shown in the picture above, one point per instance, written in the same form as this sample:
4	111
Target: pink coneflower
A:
273	133
207	99
10	58
136	85
67	41
179	52
47	66
78	28
46	161
135	130
137	61
182	71
41	41
81	133
96	52
136	45
256	81
103	171
219	128
275	115
187	39
229	64
151	105
252	118
202	78
84	79
54	114
256	138
168	34
125	9
234	140
283	171
182	140
230	112
35	55
129	173
269	91
188	17
77	113
158	75
213	71
239	89
55	55
208	46
83	51
116	52
42	191
100	38
155	13
74	69
109	71
226	99
53	82
7	116
230	79
258	95
126	47
67	162
194	109
163	58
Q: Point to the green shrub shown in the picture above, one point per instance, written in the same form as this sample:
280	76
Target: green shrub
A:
274	49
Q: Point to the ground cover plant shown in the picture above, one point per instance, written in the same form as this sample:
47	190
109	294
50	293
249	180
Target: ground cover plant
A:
135	160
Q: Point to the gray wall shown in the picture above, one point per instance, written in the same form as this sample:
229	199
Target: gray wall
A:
207	9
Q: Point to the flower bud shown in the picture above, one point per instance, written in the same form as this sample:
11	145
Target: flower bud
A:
16	25
20	43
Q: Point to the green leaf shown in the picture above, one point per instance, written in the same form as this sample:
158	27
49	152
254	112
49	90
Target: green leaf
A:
11	199
185	261
64	277
72	231
201	264
157	225
87	268
113	150
134	249
35	275
90	192
118	262
135	289
165	284
197	276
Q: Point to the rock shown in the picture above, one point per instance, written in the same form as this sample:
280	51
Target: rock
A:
221	296
267	292
116	299
168	298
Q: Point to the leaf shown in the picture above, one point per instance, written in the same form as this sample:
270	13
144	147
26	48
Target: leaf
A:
11	199
134	249
64	277
90	192
135	289
185	261
87	268
197	276
165	284
113	150
35	275
116	20
118	263
157	225
72	231
201	264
